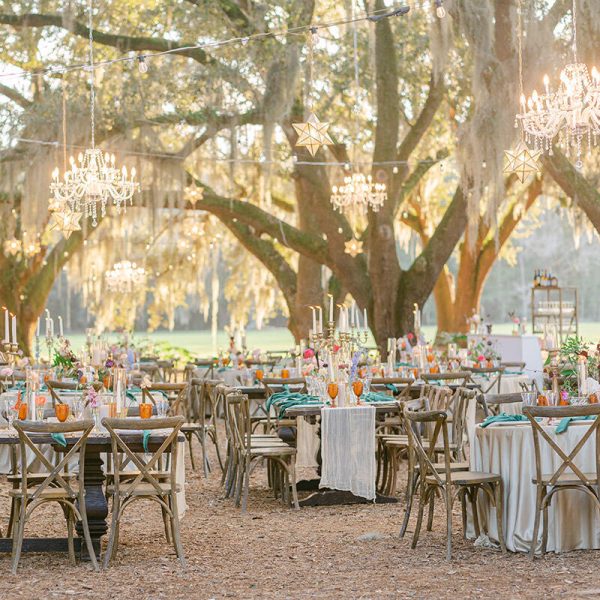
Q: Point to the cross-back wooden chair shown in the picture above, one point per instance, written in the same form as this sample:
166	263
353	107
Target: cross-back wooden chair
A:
150	482
493	404
514	366
273	385
203	368
249	451
52	486
166	370
199	406
492	375
439	479
567	476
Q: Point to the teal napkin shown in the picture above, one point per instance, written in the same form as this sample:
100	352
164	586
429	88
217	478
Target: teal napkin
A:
59	438
564	423
145	438
392	387
373	397
503	418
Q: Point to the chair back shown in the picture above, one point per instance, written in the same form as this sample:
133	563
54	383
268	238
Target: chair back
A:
460	377
492	404
540	435
394	386
517	366
149	468
166	370
204	368
425	453
493	376
240	422
27	431
55	386
273	385
176	395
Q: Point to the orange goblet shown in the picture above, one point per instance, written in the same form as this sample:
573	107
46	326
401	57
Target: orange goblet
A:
332	390
357	388
285	373
260	374
145	410
22	411
62	412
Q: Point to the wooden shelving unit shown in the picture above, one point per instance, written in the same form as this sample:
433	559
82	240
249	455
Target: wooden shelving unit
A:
556	305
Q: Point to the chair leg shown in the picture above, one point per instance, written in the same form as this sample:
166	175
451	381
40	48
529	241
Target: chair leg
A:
411	484
11	519
545	529
18	541
293	483
448	494
69	515
18	527
422	500
246	487
431	508
166	522
473	498
499	496
205	462
463	506
536	523
112	541
175	529
188	436
218	450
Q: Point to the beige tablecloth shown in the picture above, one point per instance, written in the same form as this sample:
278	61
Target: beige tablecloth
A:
348	450
508	451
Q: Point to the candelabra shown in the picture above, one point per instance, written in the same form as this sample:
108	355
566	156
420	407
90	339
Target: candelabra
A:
11	352
343	342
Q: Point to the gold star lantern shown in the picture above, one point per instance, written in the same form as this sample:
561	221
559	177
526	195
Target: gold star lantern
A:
312	134
12	246
66	220
522	161
194	193
353	247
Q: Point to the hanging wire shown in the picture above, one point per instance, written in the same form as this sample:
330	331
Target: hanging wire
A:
575	31
300	30
64	124
92	74
356	82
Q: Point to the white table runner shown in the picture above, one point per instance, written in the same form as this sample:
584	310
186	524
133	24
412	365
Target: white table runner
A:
348	450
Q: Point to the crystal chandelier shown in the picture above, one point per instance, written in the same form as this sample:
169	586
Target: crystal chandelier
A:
125	276
571	112
93	179
358	192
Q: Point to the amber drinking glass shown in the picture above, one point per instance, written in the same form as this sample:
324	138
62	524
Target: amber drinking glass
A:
62	412
259	374
357	388
145	410
285	374
332	390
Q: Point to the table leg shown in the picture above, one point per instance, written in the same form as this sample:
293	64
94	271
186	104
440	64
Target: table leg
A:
95	502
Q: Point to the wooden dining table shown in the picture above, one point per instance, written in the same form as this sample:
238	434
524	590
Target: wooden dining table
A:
96	504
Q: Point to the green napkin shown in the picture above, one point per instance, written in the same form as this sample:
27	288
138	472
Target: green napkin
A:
59	438
564	423
503	418
373	397
145	438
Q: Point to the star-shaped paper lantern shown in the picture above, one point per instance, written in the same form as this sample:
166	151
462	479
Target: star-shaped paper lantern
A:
522	161
12	246
193	194
67	221
312	134
353	247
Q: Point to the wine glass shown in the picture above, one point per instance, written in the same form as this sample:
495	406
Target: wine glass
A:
357	388
332	390
40	403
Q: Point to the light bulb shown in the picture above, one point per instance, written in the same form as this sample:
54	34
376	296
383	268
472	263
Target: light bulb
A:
440	11
142	64
314	34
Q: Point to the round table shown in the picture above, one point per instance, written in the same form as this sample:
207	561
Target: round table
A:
574	522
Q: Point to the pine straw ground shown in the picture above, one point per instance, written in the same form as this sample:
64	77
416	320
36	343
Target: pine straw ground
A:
275	552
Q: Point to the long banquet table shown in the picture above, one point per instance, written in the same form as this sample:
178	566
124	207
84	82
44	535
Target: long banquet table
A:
574	522
98	443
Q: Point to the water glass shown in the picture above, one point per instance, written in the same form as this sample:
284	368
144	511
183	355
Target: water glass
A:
162	407
529	398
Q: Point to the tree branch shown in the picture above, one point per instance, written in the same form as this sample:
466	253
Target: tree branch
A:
15	96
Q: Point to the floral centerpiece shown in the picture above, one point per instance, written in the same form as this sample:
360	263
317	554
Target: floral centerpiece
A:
64	359
483	354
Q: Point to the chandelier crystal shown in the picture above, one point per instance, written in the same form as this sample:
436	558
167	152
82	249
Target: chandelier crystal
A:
358	193
93	179
571	112
125	277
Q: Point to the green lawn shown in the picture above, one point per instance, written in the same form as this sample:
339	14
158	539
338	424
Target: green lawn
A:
278	338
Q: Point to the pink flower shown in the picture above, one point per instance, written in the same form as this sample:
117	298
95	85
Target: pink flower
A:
336	347
481	358
309	353
411	336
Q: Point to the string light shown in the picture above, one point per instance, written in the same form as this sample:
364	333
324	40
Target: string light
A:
440	11
142	64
